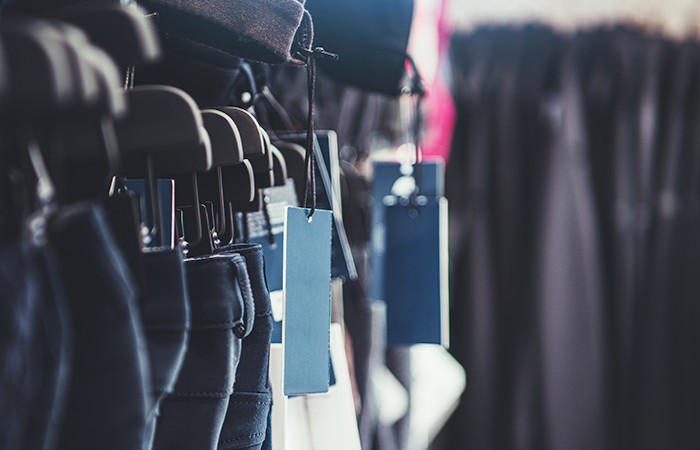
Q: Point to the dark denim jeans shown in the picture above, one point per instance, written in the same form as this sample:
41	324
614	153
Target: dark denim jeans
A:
53	350
20	302
248	418
166	317
221	313
109	392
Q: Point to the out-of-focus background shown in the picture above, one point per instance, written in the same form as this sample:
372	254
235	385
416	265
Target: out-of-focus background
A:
677	18
572	179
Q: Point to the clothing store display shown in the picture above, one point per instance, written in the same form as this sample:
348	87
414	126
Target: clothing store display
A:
149	183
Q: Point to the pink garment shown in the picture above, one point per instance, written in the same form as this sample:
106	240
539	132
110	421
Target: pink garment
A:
438	106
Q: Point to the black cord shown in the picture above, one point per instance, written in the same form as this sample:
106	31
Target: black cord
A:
417	89
310	159
268	223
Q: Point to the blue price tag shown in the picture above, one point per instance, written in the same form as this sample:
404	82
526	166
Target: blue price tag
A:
307	301
429	178
276	201
328	197
415	273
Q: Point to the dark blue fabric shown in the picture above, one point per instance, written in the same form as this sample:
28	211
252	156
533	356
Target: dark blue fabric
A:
166	318
54	350
207	74
192	415
248	418
108	397
19	305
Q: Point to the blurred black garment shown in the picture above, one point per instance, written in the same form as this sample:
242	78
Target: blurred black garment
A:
108	398
370	38
209	75
357	116
494	182
164	308
35	348
574	241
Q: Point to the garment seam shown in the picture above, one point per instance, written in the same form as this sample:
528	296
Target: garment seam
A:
213	325
203	394
244	437
250	403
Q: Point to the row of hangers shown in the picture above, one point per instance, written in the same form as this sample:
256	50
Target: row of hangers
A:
75	128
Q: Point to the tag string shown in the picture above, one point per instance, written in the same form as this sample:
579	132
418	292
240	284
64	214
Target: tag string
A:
416	88
310	159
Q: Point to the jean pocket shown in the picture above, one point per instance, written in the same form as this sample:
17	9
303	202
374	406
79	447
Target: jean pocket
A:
245	426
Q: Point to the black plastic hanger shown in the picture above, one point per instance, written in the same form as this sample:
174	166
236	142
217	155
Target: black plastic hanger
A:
279	167
262	166
126	33
42	81
88	155
43	85
227	150
162	133
294	157
249	129
239	189
255	144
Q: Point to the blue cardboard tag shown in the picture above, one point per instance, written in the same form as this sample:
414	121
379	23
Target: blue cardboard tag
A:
276	201
307	301
415	272
166	190
430	180
328	197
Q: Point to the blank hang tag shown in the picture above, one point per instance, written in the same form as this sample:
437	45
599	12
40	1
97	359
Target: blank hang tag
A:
328	197
307	301
277	200
415	273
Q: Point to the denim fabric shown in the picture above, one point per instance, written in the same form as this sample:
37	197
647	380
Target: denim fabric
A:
19	305
166	317
54	349
192	416
108	396
247	423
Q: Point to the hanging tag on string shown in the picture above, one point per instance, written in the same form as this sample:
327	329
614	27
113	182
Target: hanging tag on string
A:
327	180
409	254
307	277
409	237
307	300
